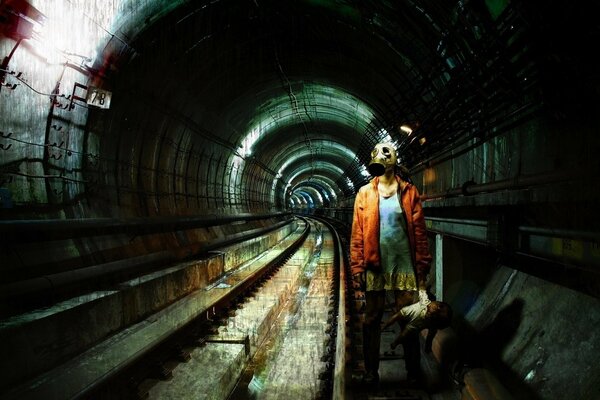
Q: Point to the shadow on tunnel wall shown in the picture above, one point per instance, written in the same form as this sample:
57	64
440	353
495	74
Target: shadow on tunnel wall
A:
483	349
469	269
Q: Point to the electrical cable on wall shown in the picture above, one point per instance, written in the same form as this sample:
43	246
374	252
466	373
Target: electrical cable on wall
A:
52	96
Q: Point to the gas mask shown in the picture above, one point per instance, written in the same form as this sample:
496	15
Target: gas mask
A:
383	157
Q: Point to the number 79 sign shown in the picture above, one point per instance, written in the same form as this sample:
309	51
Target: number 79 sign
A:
98	97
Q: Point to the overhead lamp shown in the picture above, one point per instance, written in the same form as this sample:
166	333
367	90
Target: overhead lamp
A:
422	141
406	129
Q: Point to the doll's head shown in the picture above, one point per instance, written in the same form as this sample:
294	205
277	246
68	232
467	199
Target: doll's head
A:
439	314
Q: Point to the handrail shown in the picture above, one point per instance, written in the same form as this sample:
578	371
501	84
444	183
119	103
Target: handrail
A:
55	283
53	229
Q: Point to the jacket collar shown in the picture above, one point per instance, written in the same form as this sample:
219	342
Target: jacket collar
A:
401	183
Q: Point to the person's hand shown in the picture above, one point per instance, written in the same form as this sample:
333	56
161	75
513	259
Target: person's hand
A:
359	281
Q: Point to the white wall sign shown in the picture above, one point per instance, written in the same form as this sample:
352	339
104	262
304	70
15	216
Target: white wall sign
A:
98	97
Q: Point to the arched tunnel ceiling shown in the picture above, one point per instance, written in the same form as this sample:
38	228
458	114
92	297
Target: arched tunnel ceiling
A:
268	78
283	91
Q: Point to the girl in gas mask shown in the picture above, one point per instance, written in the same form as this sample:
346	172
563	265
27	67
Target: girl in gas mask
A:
389	252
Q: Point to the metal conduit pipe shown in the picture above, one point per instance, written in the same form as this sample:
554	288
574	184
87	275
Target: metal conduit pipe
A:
562	233
53	229
471	188
55	283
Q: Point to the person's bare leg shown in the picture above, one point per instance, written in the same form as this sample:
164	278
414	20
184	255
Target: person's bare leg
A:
375	303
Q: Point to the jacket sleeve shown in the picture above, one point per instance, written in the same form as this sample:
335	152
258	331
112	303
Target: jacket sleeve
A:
422	256
357	259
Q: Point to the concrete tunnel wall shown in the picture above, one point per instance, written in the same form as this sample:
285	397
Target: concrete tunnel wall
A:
166	148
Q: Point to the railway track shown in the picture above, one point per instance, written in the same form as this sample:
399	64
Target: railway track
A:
272	333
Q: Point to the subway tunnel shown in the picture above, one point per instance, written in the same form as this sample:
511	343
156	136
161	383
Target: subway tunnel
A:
139	134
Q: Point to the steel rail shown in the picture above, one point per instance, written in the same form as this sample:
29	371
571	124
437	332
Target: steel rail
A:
341	374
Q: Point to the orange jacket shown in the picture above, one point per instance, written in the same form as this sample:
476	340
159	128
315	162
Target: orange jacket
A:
364	243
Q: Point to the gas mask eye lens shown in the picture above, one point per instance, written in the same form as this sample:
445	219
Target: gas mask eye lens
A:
386	152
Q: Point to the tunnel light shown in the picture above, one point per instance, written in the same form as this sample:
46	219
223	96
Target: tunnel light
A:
311	198
237	161
287	186
364	172
311	191
406	129
332	195
303	199
327	145
385	137
327	182
324	103
65	34
50	43
47	52
248	142
326	188
284	166
422	141
19	19
349	183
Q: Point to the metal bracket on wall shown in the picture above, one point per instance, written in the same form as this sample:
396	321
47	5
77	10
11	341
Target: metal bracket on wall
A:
75	97
472	230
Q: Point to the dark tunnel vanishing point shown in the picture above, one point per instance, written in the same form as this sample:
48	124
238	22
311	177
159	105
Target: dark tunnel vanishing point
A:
136	134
